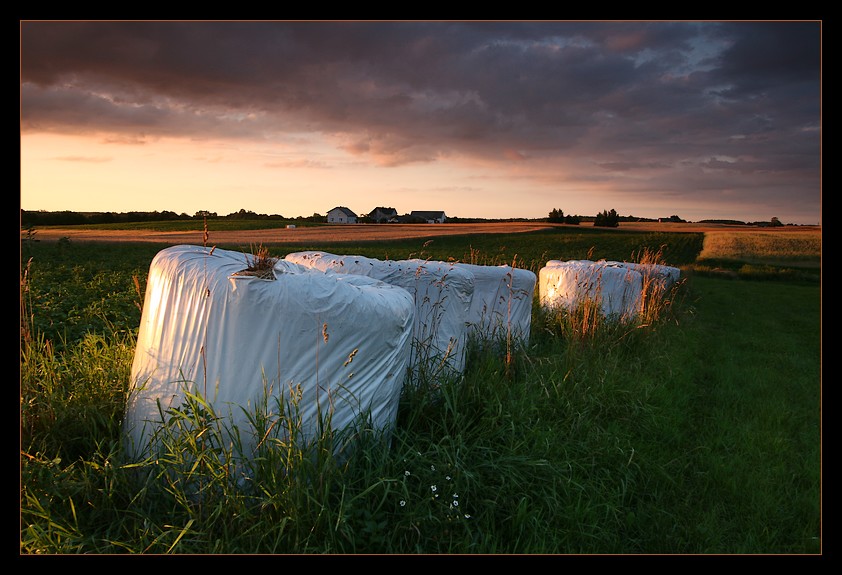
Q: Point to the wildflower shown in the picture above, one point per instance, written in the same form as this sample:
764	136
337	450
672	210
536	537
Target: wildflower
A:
432	468
433	488
403	503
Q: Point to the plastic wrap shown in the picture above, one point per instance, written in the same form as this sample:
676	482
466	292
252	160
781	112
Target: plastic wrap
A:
502	302
442	294
615	286
327	347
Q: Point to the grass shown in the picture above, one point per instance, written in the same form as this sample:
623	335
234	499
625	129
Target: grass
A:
783	248
764	255
697	431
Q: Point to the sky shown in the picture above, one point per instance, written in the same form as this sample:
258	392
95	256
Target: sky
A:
479	119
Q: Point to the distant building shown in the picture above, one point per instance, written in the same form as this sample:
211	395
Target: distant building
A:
673	218
379	215
429	217
341	215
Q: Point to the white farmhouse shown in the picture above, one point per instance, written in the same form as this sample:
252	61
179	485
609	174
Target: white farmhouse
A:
341	215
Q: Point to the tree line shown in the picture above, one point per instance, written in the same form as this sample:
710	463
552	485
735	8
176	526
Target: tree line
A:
30	218
605	218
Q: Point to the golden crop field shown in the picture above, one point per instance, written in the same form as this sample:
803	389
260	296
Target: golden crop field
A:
794	248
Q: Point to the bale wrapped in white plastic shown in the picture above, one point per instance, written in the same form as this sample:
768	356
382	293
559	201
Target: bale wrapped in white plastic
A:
660	277
442	293
502	302
616	288
323	347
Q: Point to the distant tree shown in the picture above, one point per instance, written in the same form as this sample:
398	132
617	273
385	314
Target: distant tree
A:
556	216
607	219
103	218
315	218
776	222
242	215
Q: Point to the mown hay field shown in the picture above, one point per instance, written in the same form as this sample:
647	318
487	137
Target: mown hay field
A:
802	248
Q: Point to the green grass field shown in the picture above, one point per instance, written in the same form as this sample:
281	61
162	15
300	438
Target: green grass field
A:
699	433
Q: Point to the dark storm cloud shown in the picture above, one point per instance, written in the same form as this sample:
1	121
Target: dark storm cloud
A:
737	96
437	80
765	56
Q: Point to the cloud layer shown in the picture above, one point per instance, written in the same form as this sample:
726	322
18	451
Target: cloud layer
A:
698	110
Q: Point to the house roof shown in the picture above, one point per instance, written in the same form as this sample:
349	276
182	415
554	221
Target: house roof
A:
384	210
348	212
429	215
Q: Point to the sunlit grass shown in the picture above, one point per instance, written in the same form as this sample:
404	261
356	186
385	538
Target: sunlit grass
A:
696	429
791	248
790	255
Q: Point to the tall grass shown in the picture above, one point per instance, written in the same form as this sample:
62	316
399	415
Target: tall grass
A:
694	429
789	247
764	255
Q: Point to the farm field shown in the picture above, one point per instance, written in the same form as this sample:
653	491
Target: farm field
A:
699	432
274	234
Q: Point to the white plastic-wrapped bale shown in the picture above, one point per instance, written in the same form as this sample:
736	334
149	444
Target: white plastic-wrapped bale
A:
502	302
660	277
442	293
326	348
616	288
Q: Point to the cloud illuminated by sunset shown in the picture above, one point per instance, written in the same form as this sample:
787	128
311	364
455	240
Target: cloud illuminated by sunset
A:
707	120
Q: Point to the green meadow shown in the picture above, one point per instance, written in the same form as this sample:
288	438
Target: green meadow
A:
695	430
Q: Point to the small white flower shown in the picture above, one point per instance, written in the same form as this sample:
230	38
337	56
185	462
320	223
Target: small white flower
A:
433	488
403	503
432	468
455	503
467	516
407	473
455	496
447	477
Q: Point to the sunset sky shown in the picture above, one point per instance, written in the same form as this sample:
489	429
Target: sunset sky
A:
704	120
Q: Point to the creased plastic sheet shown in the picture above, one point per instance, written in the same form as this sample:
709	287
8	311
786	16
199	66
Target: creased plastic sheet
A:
615	286
502	302
661	277
441	291
341	342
